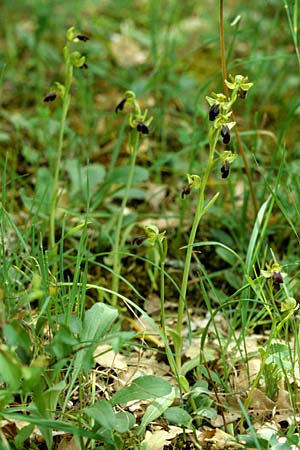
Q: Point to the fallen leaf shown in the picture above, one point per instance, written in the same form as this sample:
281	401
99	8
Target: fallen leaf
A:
106	357
68	444
218	438
126	51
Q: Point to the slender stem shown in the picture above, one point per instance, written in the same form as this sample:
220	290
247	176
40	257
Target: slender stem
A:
116	256
222	47
236	132
162	298
65	108
246	165
163	248
189	252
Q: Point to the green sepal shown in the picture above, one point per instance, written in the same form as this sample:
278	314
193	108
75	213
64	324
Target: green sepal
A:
77	59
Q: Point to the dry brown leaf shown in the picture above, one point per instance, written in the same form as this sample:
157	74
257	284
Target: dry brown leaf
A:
219	438
230	417
260	404
158	439
162	223
283	402
68	444
246	374
153	304
144	326
156	195
126	51
106	357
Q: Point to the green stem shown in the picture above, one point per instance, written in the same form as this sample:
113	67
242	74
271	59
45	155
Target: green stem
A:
236	132
116	249
162	253
65	108
197	217
162	298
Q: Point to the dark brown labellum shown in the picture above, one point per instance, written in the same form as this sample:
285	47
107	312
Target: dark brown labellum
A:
120	106
142	127
186	191
139	239
213	111
225	169
225	133
277	278
242	94
50	97
84	66
82	37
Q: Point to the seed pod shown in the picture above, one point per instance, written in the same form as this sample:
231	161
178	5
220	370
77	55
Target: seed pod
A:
50	97
142	127
277	278
225	169
120	106
225	133
213	111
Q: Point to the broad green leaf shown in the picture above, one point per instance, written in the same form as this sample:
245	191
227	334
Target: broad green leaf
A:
84	178
136	193
120	175
6	397
10	369
207	412
142	388
157	408
178	416
96	324
124	422
16	335
103	414
23	434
